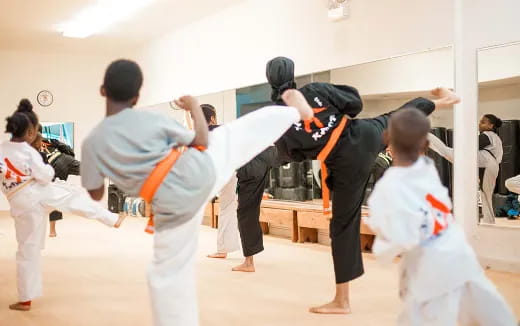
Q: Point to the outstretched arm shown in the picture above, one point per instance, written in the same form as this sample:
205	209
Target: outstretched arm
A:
200	126
442	149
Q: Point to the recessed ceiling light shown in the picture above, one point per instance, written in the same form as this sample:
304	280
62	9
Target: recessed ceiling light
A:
99	16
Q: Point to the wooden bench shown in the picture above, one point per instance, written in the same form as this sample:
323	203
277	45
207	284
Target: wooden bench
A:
303	219
281	213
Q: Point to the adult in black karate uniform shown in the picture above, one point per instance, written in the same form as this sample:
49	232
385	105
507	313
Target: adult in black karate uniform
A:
348	164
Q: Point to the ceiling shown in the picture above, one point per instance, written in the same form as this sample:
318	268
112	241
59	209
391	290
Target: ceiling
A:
30	24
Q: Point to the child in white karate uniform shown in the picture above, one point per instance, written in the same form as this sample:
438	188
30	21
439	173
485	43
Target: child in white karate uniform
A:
129	146
26	182
441	281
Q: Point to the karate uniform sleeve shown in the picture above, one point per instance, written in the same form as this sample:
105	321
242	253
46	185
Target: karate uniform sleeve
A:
421	104
91	178
41	172
442	149
345	98
177	133
483	141
396	224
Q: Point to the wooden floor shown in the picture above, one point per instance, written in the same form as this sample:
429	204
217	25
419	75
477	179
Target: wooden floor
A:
508	223
95	276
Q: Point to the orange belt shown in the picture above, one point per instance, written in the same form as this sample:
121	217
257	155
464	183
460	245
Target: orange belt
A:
154	181
322	156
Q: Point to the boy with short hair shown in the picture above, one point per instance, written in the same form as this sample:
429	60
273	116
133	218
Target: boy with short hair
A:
140	152
441	281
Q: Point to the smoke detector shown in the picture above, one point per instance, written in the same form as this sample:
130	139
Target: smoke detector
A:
338	9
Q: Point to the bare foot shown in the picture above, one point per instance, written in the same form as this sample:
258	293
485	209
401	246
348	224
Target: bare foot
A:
20	306
52	234
244	268
294	98
247	266
218	255
332	308
120	220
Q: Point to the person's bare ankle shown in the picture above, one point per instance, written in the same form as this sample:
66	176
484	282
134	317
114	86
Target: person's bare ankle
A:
21	306
247	266
120	220
334	307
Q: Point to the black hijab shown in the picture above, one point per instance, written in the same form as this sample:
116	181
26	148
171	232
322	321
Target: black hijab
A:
280	75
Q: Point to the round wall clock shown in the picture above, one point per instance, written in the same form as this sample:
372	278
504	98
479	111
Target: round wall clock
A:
45	98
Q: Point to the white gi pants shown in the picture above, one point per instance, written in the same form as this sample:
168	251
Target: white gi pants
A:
171	276
30	208
484	160
476	303
228	239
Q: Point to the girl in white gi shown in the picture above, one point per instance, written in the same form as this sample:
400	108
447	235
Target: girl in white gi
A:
227	235
489	158
26	182
130	146
441	282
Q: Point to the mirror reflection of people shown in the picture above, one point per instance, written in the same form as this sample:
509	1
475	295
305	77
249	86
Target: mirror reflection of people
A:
62	159
54	215
490	154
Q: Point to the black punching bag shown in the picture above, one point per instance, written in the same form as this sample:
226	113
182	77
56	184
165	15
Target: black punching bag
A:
116	199
509	167
292	182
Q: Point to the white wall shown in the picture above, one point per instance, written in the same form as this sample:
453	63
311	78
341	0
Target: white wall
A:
408	73
73	79
230	48
479	24
503	101
499	62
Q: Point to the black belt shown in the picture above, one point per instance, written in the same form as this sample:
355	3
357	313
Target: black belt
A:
487	150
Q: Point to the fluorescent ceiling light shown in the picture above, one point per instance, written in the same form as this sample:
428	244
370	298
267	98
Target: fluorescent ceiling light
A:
100	16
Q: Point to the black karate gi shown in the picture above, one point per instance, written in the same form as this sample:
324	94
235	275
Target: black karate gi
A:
349	163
